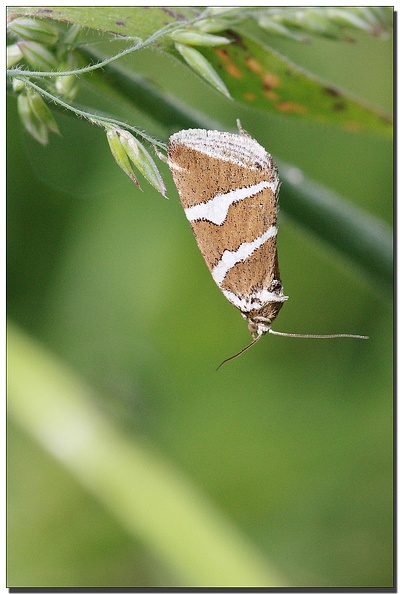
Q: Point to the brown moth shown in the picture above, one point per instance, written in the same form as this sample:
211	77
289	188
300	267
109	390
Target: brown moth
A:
228	185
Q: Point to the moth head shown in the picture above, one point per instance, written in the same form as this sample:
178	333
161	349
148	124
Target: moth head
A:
259	326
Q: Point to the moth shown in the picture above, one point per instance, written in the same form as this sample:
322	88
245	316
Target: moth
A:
228	185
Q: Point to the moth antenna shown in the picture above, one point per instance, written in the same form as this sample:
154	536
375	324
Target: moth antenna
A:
253	342
318	335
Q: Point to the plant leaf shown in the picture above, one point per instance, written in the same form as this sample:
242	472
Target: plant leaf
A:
120	20
258	76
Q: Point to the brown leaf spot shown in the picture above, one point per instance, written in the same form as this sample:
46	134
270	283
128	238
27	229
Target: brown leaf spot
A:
253	65
230	67
222	54
270	80
233	70
270	94
289	107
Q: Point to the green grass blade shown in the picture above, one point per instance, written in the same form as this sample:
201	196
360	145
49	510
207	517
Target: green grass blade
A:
145	493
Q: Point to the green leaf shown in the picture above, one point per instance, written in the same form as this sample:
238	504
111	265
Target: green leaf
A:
258	76
118	20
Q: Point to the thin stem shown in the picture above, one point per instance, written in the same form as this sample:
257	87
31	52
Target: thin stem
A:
140	45
169	28
93	118
167	109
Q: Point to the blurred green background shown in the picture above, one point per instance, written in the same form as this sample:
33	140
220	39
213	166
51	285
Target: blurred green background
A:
292	442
